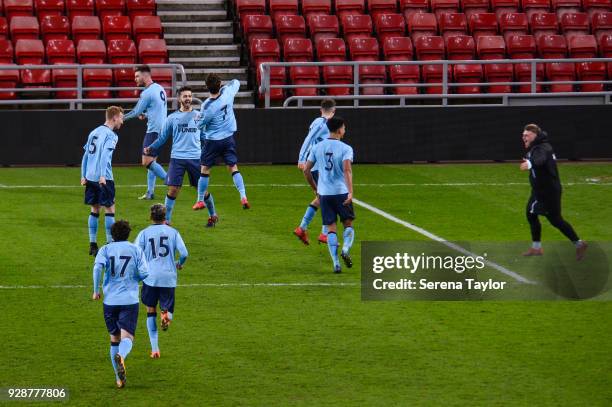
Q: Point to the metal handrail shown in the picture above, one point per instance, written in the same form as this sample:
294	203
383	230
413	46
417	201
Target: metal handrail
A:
266	86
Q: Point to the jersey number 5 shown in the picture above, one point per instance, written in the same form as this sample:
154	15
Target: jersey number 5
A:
126	260
163	244
329	164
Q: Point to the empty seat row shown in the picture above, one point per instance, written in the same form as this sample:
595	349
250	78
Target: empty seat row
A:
72	8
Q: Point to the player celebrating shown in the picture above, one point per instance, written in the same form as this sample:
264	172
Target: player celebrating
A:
545	196
218	125
160	243
97	174
124	267
335	188
152	105
317	132
185	155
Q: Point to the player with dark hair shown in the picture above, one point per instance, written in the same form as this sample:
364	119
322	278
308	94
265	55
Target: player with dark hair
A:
185	155
97	174
335	188
546	189
218	125
317	132
152	106
160	243
124	266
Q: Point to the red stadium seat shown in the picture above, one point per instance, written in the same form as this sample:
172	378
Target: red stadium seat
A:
582	46
280	7
91	52
55	28
300	50
459	47
248	7
552	46
332	50
601	24
400	49
316	7
468	73
152	51
431	48
110	8
422	24
591	71
278	76
604	43
257	26
494	47
500	7
409	7
346	7
535	6
49	8
85	28
62	52
544	24
123	52
483	24
524	47
24	27
146	27
140	8
561	7
8	78
389	25
470	7
555	47
288	26
378	7
439	7
592	7
462	47
4	31
79	8
323	27
117	28
94	52
575	23
513	24
32	52
356	26
452	24
14	8
264	50
366	49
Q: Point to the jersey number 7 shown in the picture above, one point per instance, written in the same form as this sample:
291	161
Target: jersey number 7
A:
126	260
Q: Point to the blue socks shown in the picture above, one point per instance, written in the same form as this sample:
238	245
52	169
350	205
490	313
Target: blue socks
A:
152	328
92	222
210	204
202	186
308	216
347	239
332	245
150	182
125	346
154	170
239	183
169	206
114	349
109	219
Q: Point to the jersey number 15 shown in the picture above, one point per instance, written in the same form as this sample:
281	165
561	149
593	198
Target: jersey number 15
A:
163	244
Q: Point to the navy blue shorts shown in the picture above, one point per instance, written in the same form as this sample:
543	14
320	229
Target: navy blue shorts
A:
177	169
214	149
150	296
315	176
96	194
149	139
118	317
332	207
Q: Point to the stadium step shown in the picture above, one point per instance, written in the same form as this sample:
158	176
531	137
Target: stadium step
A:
199	74
193	5
205	27
243	99
190	15
198	39
206	61
197	85
177	51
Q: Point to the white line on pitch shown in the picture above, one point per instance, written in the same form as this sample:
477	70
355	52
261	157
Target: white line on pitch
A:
441	240
212	285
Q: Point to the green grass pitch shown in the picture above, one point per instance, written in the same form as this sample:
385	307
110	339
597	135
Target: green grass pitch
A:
301	345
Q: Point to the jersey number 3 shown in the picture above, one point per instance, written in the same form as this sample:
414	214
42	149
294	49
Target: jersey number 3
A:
329	164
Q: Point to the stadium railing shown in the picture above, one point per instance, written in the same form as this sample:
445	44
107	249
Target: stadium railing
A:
179	78
479	99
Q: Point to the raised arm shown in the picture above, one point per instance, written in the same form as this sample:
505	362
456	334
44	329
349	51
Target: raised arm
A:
231	88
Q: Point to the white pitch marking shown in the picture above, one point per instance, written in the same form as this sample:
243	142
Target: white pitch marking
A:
213	285
441	240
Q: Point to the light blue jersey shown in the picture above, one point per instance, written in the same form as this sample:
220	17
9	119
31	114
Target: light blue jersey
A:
152	103
317	132
186	143
160	244
330	155
98	156
124	267
217	120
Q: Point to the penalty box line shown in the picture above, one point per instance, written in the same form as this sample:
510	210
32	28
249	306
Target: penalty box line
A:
443	241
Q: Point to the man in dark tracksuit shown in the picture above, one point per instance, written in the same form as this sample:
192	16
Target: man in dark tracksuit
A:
545	196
